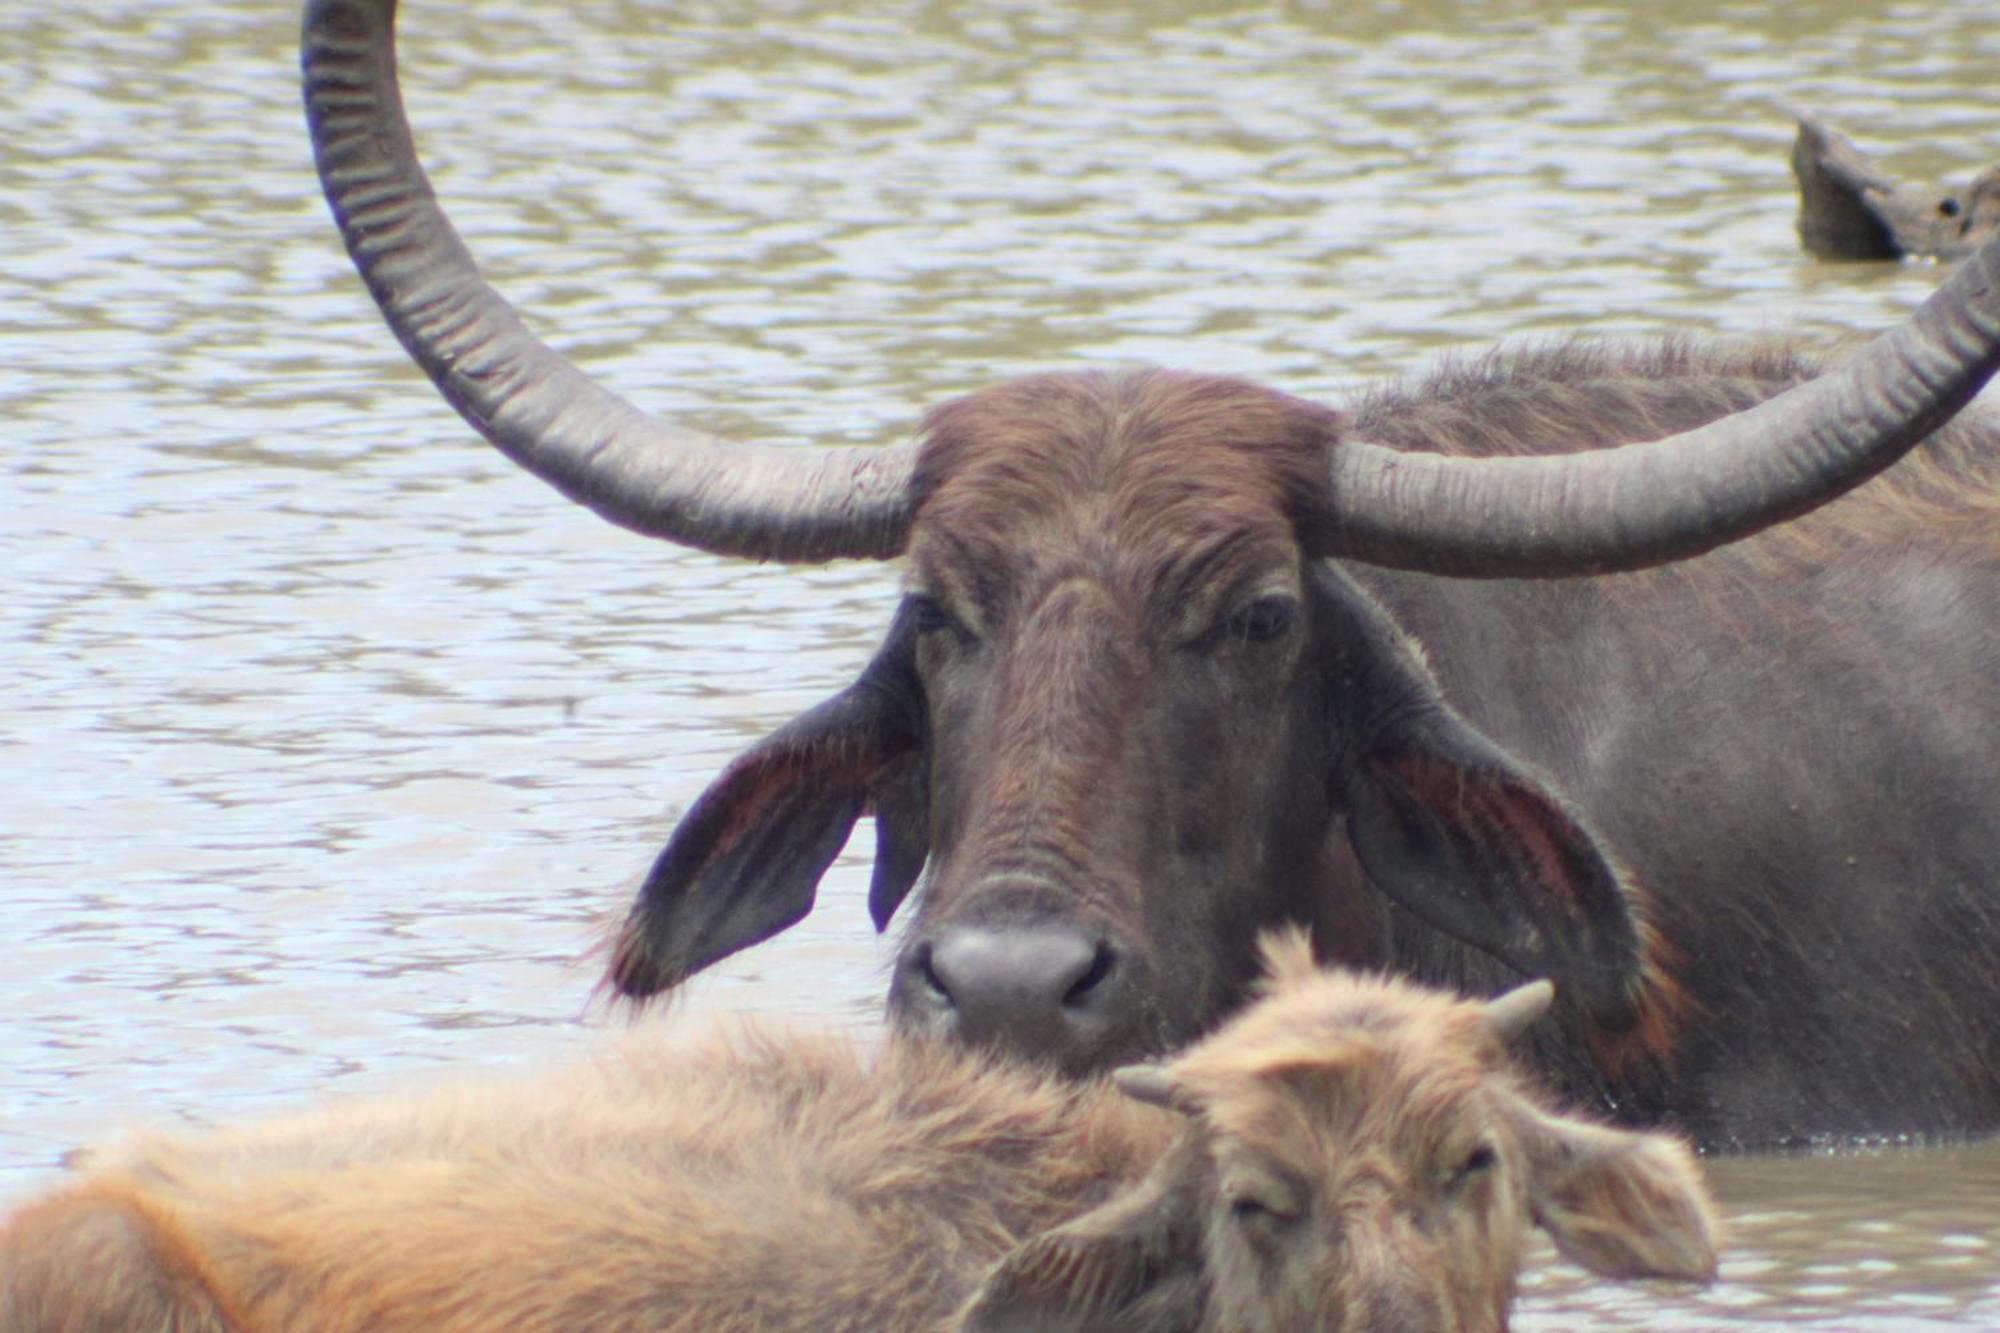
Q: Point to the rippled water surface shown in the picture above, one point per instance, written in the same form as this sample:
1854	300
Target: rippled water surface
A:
327	740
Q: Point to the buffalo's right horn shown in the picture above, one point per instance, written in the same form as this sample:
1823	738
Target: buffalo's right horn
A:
656	478
1556	515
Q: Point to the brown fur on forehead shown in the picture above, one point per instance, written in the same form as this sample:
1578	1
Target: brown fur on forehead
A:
1329	1050
1157	469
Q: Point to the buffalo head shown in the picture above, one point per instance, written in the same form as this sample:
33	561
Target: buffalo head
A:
1118	717
1129	711
1849	208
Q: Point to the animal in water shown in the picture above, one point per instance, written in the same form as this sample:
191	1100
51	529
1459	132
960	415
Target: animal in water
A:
1849	208
1348	1153
1464	674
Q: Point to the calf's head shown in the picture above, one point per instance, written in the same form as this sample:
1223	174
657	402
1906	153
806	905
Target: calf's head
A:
1127	711
1358	1157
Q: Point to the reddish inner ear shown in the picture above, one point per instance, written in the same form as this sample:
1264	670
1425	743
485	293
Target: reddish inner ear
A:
761	783
1475	847
753	785
1504	828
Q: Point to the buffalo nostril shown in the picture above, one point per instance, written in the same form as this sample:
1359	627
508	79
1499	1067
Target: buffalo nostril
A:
1102	960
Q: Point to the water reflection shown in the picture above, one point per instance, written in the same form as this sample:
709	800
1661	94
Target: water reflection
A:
329	739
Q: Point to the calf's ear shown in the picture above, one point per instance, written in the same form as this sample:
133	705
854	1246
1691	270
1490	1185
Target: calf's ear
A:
1622	1204
1127	1266
746	859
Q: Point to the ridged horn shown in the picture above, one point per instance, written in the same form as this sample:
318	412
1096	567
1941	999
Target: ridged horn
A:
797	504
1645	504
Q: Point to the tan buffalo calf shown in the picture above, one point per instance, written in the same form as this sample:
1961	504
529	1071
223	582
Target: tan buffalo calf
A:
1350	1153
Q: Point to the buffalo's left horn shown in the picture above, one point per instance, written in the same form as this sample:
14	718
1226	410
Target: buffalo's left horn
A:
1648	503
1509	1015
656	478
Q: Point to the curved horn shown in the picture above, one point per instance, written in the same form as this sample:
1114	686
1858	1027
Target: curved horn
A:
1509	1015
1646	504
1152	1084
592	445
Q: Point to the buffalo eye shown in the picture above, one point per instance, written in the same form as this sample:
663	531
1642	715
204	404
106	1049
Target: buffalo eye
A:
1949	207
1261	1201
1246	1209
929	616
1264	619
1480	1160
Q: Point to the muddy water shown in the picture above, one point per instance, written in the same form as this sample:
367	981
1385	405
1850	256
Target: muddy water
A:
326	740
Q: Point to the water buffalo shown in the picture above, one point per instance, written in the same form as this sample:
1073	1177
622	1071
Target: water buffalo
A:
1455	675
1850	209
1348	1153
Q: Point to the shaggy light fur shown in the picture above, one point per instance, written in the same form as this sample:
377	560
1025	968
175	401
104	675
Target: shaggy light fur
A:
1347	1149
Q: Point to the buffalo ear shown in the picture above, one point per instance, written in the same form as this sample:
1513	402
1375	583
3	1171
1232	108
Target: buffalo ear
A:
746	860
1129	1265
900	800
1460	833
1622	1204
1466	838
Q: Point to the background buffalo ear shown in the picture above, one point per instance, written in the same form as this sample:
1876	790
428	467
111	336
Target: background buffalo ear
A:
746	860
1472	842
1132	1265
